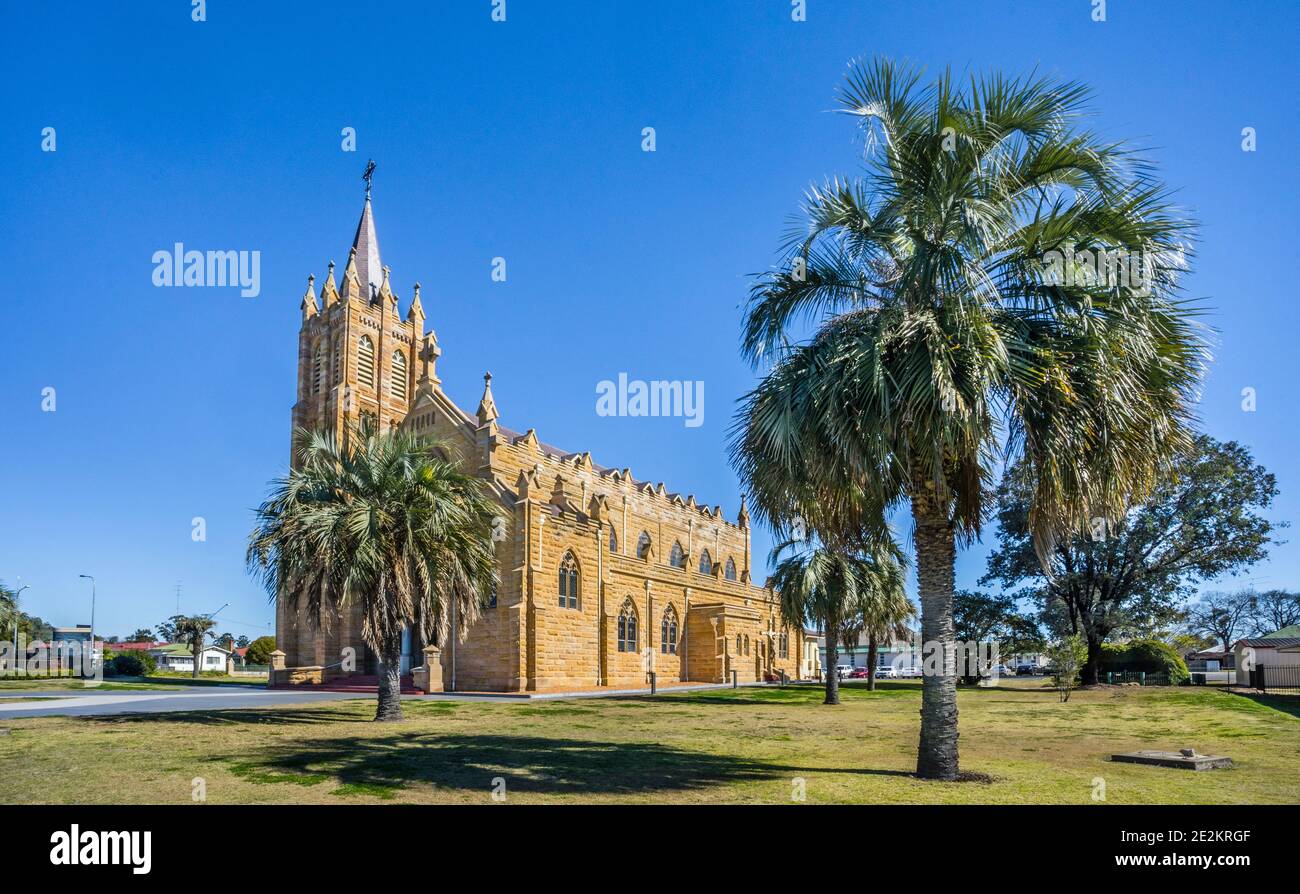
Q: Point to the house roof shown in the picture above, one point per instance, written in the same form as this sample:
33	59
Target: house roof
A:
133	647
1292	632
1270	642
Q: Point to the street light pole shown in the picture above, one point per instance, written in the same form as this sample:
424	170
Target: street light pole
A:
91	577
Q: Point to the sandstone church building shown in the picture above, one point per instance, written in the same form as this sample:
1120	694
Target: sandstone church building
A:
604	577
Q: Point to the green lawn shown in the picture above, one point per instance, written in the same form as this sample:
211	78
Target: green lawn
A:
721	746
111	684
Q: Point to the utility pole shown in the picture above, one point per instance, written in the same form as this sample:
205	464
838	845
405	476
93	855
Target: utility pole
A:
91	577
16	613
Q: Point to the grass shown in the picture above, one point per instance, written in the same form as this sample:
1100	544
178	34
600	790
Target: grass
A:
719	746
117	684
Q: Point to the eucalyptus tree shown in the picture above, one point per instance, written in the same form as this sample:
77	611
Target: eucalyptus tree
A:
997	280
384	522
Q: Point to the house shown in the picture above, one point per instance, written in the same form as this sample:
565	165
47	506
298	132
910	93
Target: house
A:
148	646
1281	648
1211	660
180	658
899	653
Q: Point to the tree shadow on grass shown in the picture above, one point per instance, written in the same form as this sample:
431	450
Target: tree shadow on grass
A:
1287	704
469	763
235	716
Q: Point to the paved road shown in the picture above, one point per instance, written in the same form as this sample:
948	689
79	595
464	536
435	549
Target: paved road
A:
68	703
65	702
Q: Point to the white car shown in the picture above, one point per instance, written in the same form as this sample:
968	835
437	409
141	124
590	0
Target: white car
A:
1001	670
842	670
886	672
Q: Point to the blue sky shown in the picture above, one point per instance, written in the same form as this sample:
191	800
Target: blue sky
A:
520	140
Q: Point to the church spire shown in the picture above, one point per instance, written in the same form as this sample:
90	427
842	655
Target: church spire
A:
487	407
309	306
366	245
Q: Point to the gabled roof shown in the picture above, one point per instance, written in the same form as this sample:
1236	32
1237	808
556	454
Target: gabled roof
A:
1269	642
1291	632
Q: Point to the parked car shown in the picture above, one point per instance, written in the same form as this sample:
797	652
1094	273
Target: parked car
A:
1026	670
843	670
886	672
1001	670
859	673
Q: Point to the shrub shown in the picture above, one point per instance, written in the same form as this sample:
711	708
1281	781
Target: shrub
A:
1149	655
1067	656
129	664
259	650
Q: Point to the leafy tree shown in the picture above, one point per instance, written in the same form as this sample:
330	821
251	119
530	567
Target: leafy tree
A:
1224	615
259	650
1186	643
1067	656
981	618
8	607
141	635
380	520
1130	577
1152	656
241	642
941	334
129	664
1274	610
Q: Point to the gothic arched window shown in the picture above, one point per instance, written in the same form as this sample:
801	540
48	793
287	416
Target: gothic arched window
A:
706	563
397	384
643	545
784	644
318	369
568	581
668	632
627	627
677	558
613	541
731	569
746	643
366	362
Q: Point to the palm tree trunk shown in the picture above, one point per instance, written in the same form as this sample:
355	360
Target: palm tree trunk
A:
390	681
197	649
936	553
832	659
872	653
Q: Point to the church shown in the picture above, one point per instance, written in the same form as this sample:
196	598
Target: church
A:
604	578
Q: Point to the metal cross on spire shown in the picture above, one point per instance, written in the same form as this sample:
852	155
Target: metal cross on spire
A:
369	174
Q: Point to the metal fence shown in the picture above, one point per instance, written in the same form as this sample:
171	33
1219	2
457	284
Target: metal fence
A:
1142	678
1275	678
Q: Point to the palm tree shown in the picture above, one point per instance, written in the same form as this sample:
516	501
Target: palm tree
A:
383	522
193	631
833	588
951	314
883	610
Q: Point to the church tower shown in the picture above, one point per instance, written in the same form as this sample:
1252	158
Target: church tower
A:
357	356
357	360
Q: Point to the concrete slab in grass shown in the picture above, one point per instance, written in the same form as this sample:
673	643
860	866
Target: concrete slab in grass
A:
1187	759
